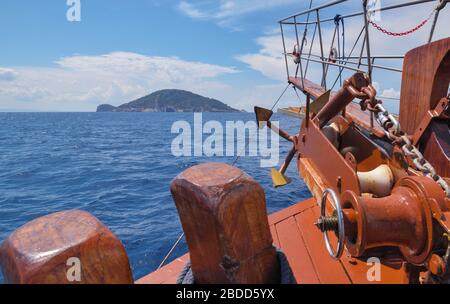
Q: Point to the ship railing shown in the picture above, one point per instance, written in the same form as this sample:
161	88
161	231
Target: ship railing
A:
365	62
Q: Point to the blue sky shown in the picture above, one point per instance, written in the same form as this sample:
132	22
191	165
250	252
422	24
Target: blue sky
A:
121	50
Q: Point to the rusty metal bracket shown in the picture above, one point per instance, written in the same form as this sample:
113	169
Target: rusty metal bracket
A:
426	121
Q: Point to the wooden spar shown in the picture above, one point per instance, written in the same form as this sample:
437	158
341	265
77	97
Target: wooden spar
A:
353	111
224	217
52	249
341	99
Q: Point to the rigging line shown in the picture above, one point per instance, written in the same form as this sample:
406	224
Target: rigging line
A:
390	98
337	21
339	52
343	37
307	22
300	49
281	96
310	49
298	96
171	251
440	6
343	44
247	144
329	56
347	61
368	51
305	33
238	157
362	50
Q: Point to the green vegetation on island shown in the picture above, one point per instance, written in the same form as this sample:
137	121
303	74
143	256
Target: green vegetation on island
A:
170	101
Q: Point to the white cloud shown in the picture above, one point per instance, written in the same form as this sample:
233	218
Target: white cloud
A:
80	83
391	93
270	66
7	74
190	10
224	11
269	59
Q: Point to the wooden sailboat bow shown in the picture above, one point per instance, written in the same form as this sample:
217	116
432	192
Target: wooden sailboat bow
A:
379	181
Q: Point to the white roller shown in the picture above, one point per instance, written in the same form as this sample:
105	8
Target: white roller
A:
378	181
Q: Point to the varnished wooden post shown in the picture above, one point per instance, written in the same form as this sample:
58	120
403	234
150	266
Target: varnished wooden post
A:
70	247
224	217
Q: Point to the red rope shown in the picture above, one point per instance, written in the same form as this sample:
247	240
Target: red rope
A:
384	31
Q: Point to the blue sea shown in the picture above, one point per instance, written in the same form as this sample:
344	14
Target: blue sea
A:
117	166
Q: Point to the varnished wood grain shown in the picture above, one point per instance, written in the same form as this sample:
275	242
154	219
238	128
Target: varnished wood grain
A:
38	252
224	217
425	80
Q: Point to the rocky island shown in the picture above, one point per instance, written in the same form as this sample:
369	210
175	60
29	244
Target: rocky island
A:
170	101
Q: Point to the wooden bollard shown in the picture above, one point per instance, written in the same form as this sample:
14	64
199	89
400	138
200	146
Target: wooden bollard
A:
224	217
70	247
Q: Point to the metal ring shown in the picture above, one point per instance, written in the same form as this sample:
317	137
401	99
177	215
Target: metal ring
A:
341	232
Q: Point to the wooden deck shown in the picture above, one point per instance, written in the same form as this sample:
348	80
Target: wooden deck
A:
294	232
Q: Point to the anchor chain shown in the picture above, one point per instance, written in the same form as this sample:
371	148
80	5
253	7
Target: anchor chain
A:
398	137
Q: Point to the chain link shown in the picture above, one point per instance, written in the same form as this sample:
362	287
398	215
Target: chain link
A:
399	34
393	131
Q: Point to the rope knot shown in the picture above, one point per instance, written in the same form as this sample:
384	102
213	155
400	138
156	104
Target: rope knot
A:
337	19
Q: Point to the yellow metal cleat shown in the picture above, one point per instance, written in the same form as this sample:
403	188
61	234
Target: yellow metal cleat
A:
279	179
320	102
263	116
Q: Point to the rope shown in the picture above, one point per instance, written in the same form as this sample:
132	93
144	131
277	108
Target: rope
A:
171	251
304	41
281	96
298	96
186	277
405	33
310	50
345	63
337	20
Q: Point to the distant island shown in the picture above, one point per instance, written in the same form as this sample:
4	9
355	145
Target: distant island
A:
170	101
